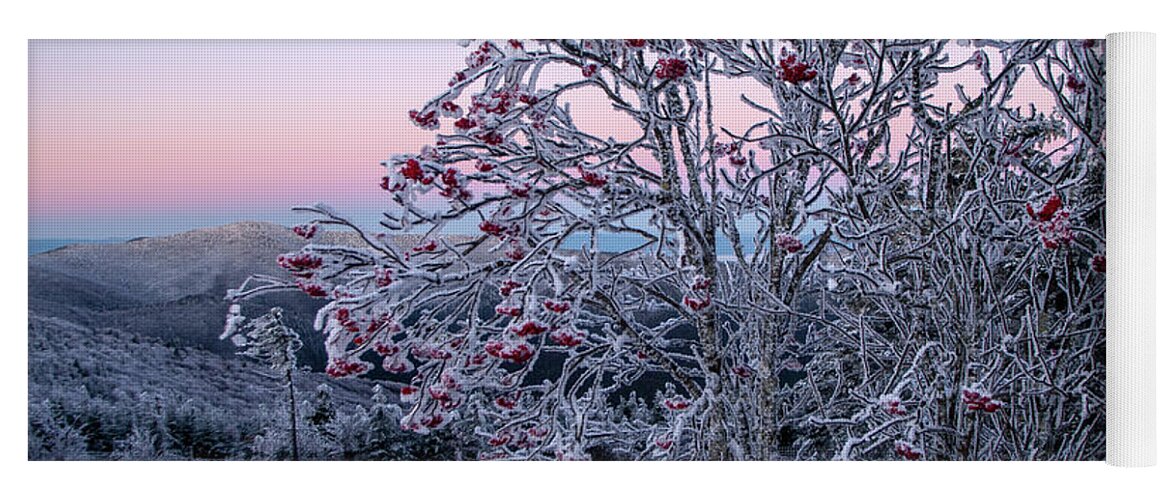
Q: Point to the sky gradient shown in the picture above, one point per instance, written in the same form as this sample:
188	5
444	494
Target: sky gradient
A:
135	138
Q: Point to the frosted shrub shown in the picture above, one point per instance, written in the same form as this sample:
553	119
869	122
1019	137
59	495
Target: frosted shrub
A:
823	243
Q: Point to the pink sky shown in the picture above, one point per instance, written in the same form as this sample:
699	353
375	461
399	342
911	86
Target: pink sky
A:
148	137
132	138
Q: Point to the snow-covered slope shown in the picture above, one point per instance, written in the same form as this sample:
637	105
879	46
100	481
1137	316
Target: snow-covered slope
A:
170	287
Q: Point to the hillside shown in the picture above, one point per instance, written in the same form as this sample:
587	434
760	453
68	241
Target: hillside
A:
101	394
108	363
124	337
172	287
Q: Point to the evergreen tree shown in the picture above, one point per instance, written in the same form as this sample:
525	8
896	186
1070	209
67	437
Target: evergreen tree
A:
322	413
268	339
384	429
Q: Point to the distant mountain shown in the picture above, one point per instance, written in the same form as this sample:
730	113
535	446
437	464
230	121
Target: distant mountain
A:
172	287
42	245
167	268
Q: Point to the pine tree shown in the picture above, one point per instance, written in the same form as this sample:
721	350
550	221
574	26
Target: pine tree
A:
323	409
385	432
268	339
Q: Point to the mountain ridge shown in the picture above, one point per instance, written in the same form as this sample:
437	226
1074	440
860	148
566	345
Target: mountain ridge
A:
172	287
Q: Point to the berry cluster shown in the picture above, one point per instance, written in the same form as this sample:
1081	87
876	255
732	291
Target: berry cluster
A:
301	265
518	353
670	69
1052	222
794	71
789	243
977	400
908	451
342	368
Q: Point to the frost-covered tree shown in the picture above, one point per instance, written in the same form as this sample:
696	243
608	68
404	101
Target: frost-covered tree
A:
141	444
349	432
383	427
805	248
268	339
323	411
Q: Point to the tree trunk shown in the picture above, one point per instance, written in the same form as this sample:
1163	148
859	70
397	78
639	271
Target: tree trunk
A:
292	414
717	440
766	397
